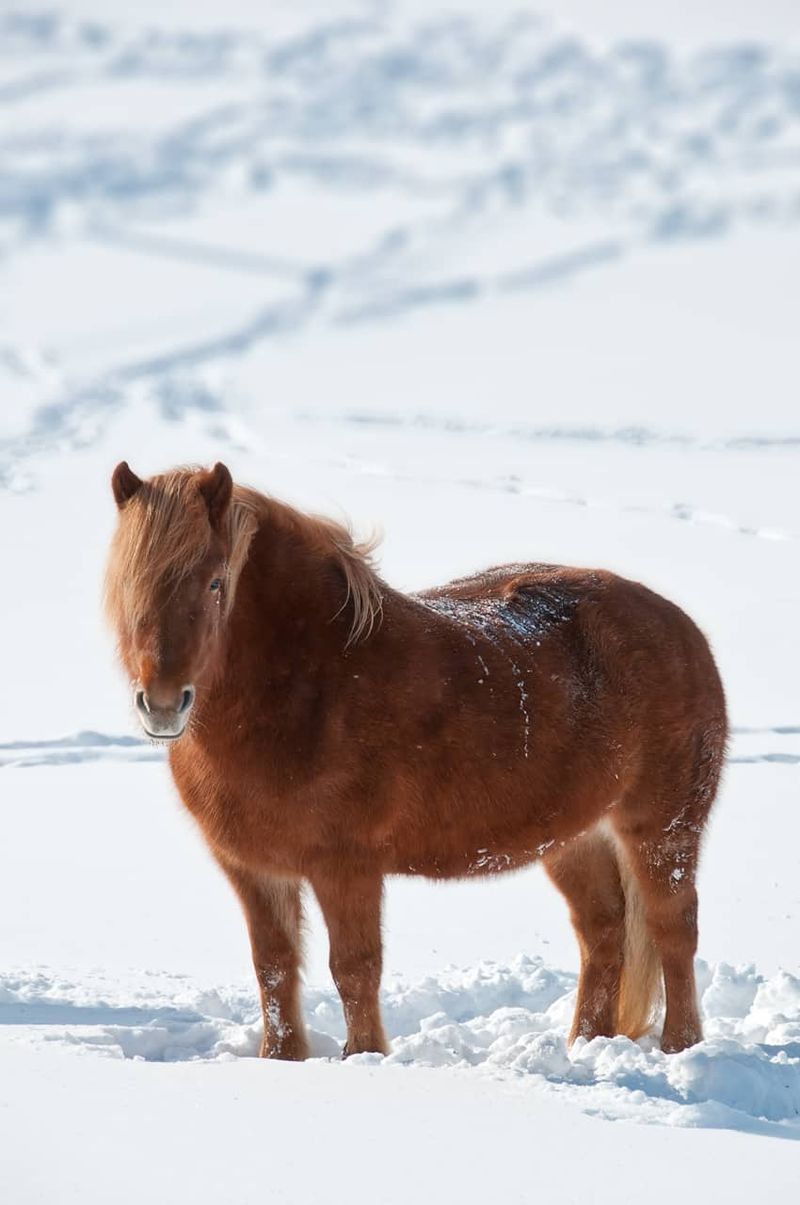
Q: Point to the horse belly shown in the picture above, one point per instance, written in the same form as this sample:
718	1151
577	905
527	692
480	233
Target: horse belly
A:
503	823
480	857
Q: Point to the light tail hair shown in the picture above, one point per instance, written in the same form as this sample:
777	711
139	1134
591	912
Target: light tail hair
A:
642	986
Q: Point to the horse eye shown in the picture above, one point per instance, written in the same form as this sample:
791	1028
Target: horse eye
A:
216	584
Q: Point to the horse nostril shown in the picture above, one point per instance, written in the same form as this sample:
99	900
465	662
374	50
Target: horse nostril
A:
187	698
141	701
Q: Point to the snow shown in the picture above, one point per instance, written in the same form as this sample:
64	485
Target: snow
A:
226	1132
507	288
503	1021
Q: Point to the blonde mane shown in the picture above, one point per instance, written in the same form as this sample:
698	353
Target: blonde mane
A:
163	534
355	560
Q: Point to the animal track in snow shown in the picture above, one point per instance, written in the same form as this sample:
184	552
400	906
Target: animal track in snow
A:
469	122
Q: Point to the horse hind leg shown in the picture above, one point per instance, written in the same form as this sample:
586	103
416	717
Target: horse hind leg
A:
587	874
662	847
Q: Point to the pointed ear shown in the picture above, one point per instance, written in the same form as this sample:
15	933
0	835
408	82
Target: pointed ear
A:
124	483
216	487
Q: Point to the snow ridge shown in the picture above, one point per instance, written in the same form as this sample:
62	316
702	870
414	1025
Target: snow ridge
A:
89	746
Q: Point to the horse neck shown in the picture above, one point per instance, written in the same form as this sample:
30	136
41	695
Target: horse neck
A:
285	610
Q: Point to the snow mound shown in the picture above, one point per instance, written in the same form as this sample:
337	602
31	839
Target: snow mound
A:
499	1020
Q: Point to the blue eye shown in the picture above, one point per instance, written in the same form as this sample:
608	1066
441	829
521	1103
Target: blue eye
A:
216	584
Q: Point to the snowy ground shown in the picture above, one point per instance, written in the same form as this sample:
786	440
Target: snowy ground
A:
507	286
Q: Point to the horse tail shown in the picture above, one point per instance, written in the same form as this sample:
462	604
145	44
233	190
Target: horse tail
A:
642	984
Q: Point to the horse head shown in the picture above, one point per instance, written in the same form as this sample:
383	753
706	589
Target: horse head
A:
166	587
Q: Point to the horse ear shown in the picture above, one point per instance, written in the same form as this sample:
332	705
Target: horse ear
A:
216	486
124	483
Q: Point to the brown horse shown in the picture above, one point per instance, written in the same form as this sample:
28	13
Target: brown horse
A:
327	729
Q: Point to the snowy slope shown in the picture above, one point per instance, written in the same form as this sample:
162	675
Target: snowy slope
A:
507	285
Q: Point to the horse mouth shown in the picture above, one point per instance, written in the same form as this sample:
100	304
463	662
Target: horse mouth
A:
167	728
163	738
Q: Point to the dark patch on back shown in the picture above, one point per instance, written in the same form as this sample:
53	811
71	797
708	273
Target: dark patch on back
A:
519	602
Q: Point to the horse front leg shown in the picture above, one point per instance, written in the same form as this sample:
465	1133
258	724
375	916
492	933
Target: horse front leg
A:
351	906
274	913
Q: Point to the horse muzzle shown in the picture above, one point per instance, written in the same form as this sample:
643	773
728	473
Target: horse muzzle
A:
164	720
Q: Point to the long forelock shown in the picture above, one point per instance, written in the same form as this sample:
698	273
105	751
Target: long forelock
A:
162	536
